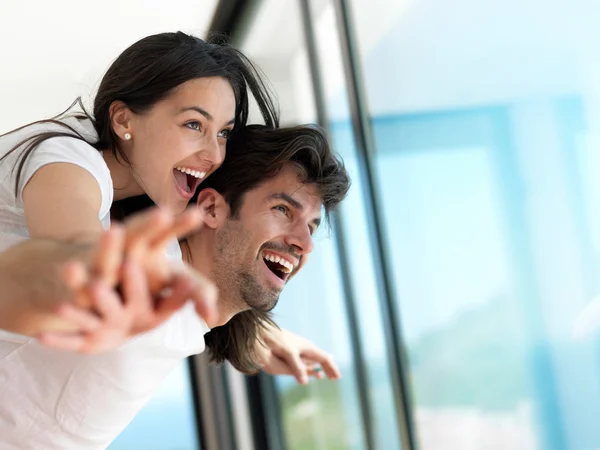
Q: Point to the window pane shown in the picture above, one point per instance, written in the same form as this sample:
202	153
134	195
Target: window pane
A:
275	42
485	118
323	415
356	231
167	422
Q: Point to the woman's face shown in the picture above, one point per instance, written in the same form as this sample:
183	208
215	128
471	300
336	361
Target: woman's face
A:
181	140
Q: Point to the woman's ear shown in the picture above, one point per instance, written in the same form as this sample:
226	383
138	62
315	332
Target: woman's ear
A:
120	120
213	206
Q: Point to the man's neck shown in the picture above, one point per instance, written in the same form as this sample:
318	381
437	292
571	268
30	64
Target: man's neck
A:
197	252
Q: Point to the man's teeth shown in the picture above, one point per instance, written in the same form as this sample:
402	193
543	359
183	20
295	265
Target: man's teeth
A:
194	173
286	266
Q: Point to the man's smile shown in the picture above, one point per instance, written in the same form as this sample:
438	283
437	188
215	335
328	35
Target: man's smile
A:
278	265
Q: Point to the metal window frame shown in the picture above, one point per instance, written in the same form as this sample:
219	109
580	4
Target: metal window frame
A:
232	17
265	412
212	403
198	413
365	147
340	241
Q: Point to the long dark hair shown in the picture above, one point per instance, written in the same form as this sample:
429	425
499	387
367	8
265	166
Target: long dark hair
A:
146	73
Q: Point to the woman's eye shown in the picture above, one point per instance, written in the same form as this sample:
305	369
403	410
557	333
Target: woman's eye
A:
193	125
226	133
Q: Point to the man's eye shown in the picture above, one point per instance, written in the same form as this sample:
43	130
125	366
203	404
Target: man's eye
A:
193	125
282	208
226	133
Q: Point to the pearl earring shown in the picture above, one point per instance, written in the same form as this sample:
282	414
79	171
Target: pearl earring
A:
127	136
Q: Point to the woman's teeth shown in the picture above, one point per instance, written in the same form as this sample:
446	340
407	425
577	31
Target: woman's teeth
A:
194	173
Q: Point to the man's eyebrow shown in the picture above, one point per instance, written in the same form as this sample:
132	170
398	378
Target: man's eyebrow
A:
295	203
204	112
288	198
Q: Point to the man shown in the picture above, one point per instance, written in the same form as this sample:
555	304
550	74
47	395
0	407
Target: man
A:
260	210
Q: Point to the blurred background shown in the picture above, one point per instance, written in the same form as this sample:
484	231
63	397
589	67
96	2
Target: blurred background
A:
450	281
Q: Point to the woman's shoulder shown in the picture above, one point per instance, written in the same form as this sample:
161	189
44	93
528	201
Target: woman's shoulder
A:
70	141
73	145
72	131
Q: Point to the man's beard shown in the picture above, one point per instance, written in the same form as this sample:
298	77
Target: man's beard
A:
256	296
237	285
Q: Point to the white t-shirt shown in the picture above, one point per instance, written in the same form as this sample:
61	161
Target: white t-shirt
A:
13	228
52	399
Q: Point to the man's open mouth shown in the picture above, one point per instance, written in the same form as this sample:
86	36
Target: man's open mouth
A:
281	267
188	179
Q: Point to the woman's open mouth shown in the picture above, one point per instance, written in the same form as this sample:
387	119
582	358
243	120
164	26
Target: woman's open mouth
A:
188	179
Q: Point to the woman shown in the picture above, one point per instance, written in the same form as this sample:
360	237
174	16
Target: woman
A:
161	119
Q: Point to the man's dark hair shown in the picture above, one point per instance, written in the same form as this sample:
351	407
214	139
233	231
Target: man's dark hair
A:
256	154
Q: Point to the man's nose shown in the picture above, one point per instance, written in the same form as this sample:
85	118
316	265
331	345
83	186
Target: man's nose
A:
301	239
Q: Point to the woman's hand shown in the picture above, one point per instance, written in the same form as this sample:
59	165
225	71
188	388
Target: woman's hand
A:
143	240
114	319
103	317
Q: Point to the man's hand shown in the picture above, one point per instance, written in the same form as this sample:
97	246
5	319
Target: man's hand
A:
289	354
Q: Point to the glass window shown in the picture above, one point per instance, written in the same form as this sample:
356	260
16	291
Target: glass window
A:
485	119
167	422
356	230
323	415
275	43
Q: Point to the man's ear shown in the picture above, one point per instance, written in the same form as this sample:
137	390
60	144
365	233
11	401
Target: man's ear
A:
214	207
120	119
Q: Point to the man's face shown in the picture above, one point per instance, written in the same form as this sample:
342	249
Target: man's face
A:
256	253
